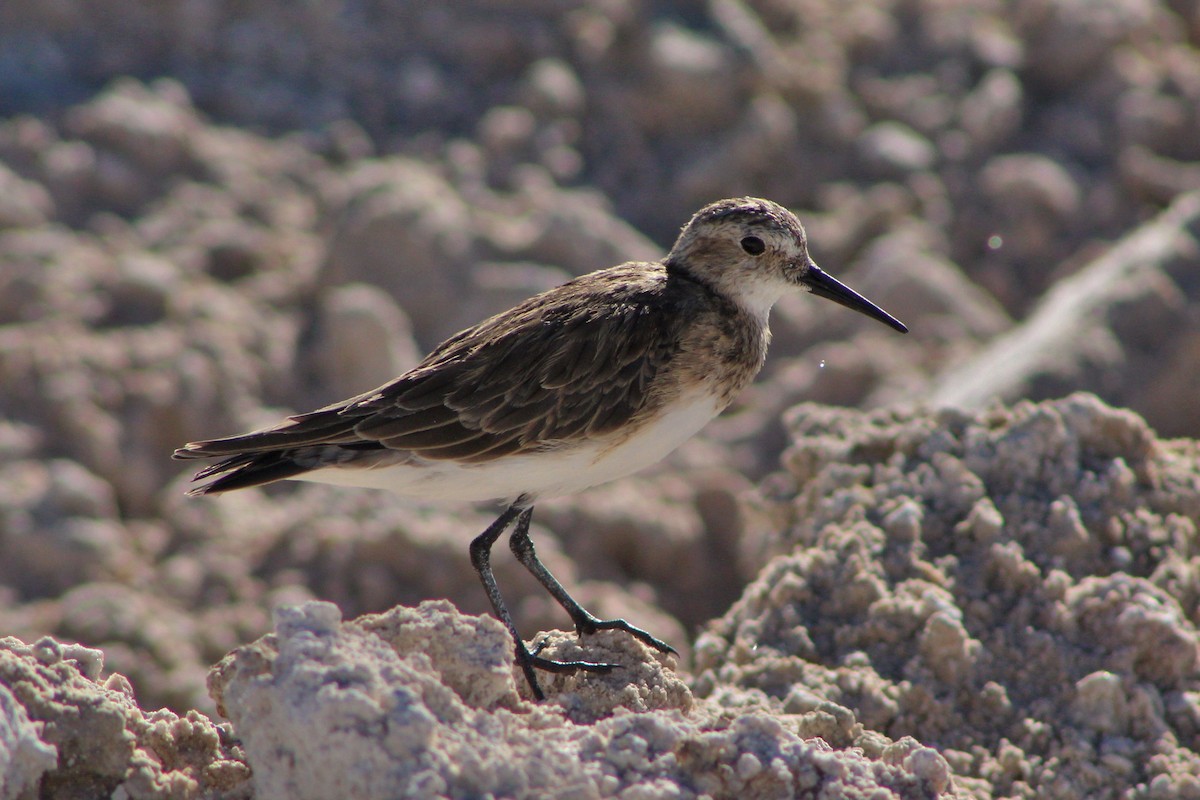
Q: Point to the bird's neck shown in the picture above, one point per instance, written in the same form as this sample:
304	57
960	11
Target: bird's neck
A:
755	299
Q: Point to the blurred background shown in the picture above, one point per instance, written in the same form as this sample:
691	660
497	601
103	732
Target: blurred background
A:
213	214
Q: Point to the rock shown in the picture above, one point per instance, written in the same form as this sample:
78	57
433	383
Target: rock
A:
891	150
904	272
23	204
1007	570
1029	208
551	87
1104	328
148	125
104	742
363	341
1069	39
58	527
993	111
1100	703
24	757
402	228
693	73
422	701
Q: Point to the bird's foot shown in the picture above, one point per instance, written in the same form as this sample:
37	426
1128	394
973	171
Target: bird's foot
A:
589	624
552	665
531	660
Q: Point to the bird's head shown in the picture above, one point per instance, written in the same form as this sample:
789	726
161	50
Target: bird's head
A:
753	251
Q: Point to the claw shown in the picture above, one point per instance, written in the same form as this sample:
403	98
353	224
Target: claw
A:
550	665
529	660
590	624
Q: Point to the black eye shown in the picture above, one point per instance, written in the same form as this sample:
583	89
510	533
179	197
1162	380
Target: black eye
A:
753	245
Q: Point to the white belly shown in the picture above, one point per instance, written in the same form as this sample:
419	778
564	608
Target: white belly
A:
538	474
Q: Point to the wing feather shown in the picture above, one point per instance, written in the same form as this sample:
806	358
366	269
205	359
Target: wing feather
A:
577	361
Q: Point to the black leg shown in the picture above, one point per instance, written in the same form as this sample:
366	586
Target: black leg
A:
481	559
522	547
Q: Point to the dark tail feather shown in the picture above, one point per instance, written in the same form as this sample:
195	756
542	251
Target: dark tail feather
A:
324	426
249	469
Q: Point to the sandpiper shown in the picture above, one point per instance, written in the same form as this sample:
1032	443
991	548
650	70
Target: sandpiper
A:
584	383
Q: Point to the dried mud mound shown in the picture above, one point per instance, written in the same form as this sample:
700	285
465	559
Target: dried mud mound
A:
1019	589
424	703
992	605
421	703
69	731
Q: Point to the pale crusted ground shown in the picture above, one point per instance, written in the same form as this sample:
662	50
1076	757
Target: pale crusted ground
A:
73	731
1019	588
205	247
422	702
993	605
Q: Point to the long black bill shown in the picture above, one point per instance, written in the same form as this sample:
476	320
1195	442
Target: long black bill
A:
824	285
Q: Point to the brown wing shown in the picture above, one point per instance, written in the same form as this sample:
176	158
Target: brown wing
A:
575	362
539	375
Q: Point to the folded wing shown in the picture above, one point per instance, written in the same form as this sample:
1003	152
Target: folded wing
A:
552	371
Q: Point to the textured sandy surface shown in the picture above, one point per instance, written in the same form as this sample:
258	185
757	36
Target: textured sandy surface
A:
233	215
1017	588
995	605
422	703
